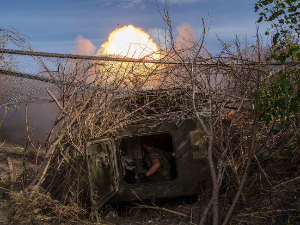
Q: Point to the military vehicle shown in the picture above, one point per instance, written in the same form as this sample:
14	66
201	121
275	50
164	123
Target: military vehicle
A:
114	161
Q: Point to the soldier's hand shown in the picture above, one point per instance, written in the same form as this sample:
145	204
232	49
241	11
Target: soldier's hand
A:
143	177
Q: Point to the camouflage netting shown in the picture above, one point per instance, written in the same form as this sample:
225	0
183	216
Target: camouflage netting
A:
98	97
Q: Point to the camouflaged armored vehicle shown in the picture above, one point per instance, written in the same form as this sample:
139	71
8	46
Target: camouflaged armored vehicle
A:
113	162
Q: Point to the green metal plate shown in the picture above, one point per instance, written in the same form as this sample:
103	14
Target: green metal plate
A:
102	171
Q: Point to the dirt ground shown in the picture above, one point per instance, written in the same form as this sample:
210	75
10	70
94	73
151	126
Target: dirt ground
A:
17	164
16	160
167	211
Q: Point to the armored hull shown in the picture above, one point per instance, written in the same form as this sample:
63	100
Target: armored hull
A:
112	180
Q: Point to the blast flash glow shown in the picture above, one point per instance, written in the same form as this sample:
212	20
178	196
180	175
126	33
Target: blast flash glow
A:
131	42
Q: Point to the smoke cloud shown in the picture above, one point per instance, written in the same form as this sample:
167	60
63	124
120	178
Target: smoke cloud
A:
186	36
84	46
40	118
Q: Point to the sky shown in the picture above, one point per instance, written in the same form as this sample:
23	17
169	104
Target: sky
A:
58	25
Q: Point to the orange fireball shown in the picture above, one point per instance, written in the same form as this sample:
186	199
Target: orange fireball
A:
131	42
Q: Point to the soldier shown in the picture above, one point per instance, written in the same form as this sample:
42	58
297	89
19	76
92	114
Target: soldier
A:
158	163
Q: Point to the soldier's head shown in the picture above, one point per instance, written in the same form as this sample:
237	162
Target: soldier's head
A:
147	144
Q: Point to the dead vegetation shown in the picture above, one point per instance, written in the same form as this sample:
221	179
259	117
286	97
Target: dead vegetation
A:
254	167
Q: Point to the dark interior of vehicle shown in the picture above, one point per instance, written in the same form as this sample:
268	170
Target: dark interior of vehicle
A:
133	155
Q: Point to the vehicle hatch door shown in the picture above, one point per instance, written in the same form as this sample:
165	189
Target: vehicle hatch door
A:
102	170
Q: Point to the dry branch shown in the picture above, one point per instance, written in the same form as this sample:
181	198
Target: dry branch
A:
40	176
11	169
266	212
294	179
160	208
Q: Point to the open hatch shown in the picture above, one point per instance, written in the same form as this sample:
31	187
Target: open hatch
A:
102	171
133	154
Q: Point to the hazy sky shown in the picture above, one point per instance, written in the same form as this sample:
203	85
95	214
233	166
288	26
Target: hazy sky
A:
54	25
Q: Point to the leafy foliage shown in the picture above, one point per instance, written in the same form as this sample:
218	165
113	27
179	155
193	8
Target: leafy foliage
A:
280	97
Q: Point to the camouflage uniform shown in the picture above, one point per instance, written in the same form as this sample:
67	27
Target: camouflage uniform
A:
165	166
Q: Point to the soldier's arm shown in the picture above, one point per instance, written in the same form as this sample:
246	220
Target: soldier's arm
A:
154	168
